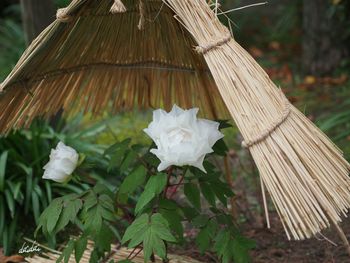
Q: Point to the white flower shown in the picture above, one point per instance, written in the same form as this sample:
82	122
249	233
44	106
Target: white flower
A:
63	161
181	138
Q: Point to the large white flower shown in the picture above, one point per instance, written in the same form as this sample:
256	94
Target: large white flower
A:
181	138
63	161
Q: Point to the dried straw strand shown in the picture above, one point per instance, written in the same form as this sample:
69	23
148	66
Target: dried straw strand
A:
141	23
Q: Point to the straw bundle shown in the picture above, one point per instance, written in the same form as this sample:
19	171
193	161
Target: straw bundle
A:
117	254
90	59
303	171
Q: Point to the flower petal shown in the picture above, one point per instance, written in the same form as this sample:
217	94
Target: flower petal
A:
181	138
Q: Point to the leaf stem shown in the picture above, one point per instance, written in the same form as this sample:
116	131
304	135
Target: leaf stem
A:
177	186
132	252
134	256
169	172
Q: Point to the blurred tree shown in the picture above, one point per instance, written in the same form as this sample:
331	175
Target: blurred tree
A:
323	47
3	5
36	15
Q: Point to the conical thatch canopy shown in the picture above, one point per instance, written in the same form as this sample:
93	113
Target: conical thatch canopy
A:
92	59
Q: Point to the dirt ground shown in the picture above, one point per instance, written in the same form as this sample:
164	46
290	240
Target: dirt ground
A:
273	246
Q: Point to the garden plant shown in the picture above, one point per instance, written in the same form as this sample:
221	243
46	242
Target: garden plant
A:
178	162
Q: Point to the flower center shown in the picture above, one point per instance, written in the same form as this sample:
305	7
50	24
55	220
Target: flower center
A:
178	135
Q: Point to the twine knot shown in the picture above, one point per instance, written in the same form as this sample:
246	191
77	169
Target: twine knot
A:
118	7
271	128
202	49
62	15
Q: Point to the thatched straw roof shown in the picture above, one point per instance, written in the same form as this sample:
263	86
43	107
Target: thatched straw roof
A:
117	254
94	60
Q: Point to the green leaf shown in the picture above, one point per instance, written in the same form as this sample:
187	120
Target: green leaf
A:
122	198
133	180
69	213
193	195
152	232
200	220
5	240
12	230
240	248
156	183
159	247
36	207
106	214
91	200
138	238
48	191
208	193
231	246
220	148
189	212
145	198
29	183
104	239
151	159
221	242
10	202
154	186
212	227
174	220
224	219
94	257
17	194
152	243
168	204
221	190
68	250
106	202
2	214
130	156
135	227
224	124
53	214
93	220
117	146
101	188
79	248
161	227
117	153
148	242
203	240
3	160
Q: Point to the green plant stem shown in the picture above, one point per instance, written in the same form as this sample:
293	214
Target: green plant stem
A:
228	177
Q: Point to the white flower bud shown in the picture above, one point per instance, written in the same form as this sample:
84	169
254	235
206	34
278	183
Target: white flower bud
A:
63	161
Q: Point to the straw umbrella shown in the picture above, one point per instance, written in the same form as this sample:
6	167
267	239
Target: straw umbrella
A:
94	60
99	60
